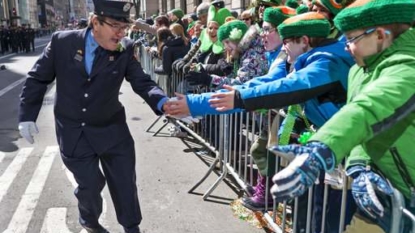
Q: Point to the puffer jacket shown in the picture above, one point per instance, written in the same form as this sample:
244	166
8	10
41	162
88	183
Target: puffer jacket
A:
378	121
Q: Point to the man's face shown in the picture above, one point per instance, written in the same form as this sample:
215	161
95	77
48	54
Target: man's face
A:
109	32
294	47
270	37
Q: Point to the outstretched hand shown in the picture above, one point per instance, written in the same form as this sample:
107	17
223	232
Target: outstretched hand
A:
223	101
177	106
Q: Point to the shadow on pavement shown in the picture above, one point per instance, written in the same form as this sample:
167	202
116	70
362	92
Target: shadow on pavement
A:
8	137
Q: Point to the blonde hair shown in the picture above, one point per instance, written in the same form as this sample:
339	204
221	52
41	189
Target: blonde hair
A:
178	31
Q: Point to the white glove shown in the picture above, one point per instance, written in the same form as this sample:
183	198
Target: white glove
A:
27	129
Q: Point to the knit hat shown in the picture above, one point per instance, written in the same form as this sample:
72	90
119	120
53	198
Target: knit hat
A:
202	9
310	24
334	6
369	13
301	9
277	15
270	2
292	3
177	12
234	30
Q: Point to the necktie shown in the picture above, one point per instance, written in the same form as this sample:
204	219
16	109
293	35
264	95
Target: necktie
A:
99	51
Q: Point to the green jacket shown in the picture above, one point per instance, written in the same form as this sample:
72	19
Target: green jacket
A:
380	113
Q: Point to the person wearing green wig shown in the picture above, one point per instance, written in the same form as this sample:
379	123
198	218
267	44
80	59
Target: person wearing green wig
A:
376	128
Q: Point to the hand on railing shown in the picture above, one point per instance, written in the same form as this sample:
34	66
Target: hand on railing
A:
198	78
303	171
363	189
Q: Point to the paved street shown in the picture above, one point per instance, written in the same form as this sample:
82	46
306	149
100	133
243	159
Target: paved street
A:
36	191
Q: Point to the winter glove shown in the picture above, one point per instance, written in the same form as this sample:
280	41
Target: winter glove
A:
196	78
226	67
27	129
303	171
363	189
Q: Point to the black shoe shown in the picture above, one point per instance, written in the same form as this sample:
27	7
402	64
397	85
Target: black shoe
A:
99	229
256	204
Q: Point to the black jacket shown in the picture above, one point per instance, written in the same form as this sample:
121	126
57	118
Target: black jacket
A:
173	49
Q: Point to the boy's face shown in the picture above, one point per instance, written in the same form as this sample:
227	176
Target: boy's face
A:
294	47
362	43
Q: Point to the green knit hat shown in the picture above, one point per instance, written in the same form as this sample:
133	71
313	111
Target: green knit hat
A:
368	13
301	9
270	2
177	12
218	16
292	3
234	30
277	15
310	24
334	6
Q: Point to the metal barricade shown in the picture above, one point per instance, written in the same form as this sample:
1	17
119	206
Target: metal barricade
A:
229	138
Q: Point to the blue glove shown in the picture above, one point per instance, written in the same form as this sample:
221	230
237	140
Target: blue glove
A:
363	189
303	171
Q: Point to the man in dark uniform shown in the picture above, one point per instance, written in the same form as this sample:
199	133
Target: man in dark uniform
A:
89	67
31	36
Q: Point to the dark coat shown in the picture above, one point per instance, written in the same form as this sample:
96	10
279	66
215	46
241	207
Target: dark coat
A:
173	49
85	103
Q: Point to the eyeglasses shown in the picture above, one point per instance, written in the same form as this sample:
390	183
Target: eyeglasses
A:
116	27
268	30
357	38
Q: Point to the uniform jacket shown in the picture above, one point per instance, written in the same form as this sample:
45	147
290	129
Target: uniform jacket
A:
319	80
379	118
86	103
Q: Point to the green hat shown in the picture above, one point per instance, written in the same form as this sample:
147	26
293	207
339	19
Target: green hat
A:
234	30
310	24
218	16
270	2
292	3
369	13
334	6
277	15
177	12
301	9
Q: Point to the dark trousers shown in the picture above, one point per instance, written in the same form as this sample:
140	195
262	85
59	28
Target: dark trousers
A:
118	165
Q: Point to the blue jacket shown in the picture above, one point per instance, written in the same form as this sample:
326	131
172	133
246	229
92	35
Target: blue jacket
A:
319	81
